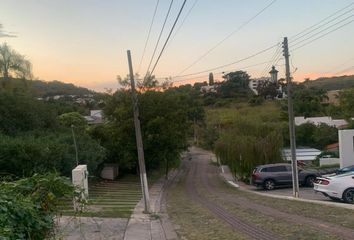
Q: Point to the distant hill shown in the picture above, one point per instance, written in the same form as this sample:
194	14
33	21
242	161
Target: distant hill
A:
332	83
48	89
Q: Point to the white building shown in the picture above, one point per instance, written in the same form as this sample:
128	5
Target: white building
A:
209	89
96	117
338	123
302	154
346	147
254	83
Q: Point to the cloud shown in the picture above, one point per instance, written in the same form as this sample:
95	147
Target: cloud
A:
4	34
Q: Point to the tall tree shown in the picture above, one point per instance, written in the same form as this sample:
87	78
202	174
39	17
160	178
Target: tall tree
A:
267	89
235	85
308	101
13	64
346	102
211	79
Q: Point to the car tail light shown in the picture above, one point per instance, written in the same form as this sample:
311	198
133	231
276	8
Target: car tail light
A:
255	176
323	182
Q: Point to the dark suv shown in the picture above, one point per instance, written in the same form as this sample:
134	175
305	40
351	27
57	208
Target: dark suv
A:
270	175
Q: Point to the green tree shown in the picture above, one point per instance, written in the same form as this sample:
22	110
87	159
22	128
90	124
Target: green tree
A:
73	119
305	135
27	154
211	79
267	89
235	84
324	135
308	101
20	113
165	123
346	102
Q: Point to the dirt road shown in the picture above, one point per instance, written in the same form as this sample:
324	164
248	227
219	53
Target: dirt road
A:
247	215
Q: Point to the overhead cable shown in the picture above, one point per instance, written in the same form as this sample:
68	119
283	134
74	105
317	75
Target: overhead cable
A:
148	36
227	37
158	40
168	37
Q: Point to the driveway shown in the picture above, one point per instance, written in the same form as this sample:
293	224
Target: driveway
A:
305	192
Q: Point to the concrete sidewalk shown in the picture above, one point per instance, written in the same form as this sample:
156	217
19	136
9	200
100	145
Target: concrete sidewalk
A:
153	226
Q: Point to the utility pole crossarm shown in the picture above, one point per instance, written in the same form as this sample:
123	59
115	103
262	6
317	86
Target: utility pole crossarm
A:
295	176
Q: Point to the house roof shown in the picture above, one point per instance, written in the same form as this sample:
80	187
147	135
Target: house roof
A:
332	146
302	154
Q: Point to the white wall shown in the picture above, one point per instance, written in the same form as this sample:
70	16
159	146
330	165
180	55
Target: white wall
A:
80	178
346	147
329	161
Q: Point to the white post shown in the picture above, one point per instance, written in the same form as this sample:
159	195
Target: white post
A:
80	181
346	147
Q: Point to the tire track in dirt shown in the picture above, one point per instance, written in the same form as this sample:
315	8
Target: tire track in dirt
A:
236	223
211	173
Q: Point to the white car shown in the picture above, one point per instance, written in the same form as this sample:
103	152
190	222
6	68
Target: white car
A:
337	187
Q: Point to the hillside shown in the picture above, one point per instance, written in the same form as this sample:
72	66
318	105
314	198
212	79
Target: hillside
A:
48	89
332	83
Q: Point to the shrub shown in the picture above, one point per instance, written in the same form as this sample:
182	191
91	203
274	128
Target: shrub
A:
27	154
27	206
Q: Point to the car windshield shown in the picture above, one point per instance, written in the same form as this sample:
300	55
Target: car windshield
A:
345	169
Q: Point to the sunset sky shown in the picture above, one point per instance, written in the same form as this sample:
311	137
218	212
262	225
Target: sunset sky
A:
85	41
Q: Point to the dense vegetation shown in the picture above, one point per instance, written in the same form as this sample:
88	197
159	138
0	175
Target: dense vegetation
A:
45	89
248	137
28	205
331	83
33	140
165	122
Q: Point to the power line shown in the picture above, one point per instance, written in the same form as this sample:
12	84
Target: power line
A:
168	37
340	65
345	70
279	55
321	36
228	36
333	14
185	18
223	72
313	35
229	64
148	36
272	59
158	40
302	35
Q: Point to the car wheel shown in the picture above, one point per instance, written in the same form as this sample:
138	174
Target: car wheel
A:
310	180
269	184
348	195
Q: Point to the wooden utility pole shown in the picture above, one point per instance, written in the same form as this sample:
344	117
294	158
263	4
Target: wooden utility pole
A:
74	139
139	141
295	176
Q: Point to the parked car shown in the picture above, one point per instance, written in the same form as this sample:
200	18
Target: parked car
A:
271	175
345	170
338	187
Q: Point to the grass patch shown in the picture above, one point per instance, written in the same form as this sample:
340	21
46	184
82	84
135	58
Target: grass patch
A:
193	221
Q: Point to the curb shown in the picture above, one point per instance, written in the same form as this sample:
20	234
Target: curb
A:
332	204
